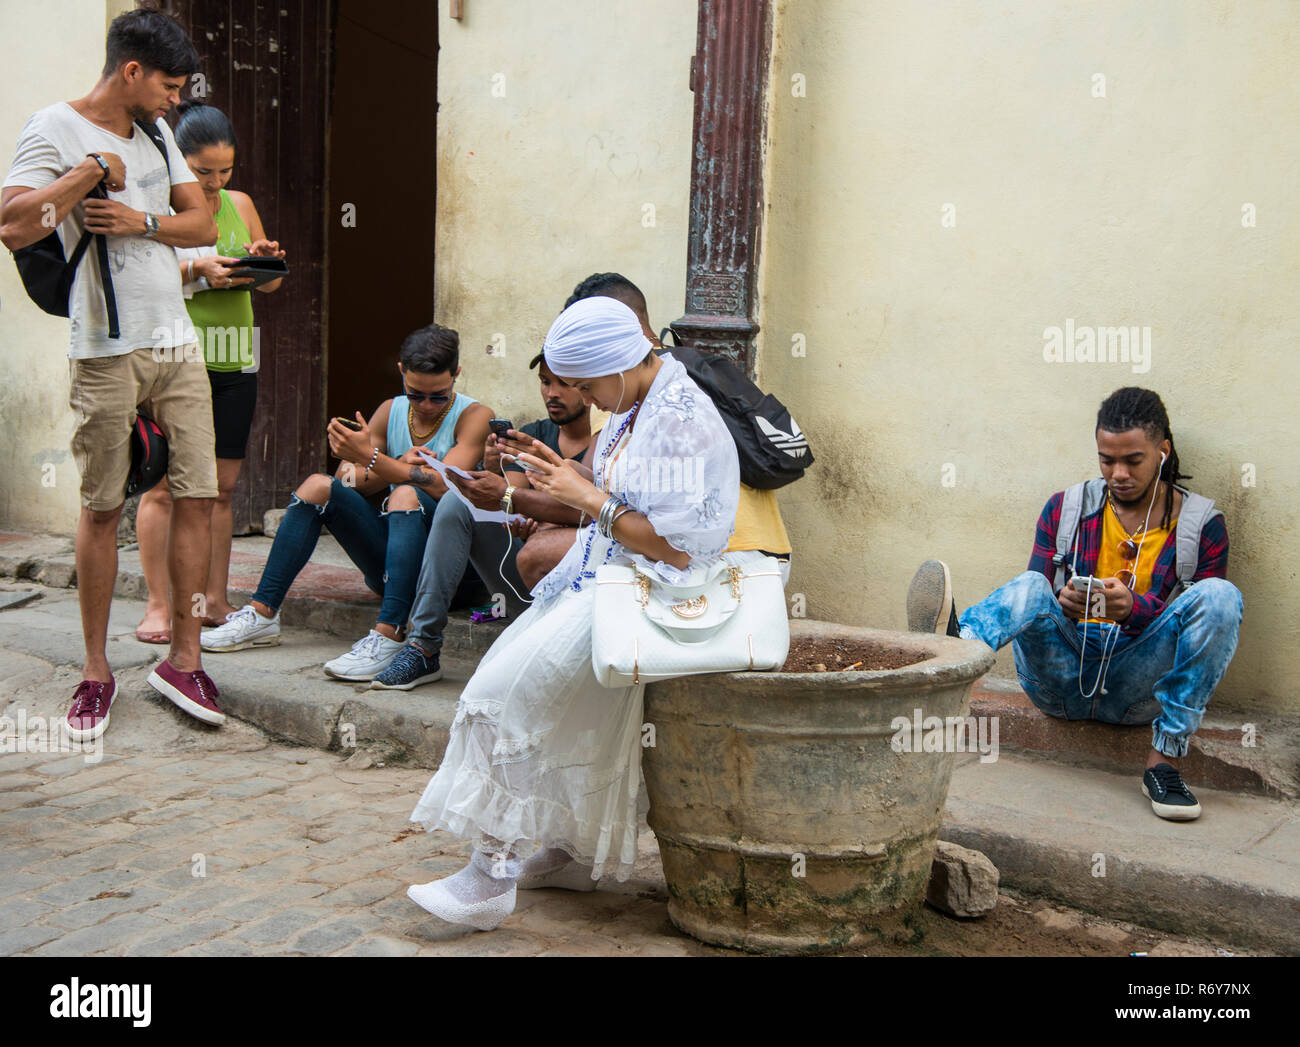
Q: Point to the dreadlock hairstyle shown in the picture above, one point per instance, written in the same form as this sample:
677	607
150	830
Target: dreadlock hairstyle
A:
1135	408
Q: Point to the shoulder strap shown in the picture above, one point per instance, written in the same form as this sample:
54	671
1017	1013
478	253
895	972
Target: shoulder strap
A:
156	137
1196	512
1079	501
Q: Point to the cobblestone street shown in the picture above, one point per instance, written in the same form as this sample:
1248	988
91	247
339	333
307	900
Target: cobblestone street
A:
182	839
224	843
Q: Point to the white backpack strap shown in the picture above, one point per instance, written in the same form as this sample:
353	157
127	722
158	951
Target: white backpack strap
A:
1196	512
1079	501
1067	525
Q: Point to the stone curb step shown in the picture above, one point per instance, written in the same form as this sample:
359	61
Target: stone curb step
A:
1256	754
1089	839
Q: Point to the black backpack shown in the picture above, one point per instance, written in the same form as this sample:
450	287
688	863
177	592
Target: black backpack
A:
773	451
47	276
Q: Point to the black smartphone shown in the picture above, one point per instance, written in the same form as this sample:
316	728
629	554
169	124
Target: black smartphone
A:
499	426
350	423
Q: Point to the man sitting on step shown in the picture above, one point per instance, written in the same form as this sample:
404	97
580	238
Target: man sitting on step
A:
1116	620
387	543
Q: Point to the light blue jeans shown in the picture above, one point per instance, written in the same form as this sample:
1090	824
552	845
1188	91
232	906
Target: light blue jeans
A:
1166	674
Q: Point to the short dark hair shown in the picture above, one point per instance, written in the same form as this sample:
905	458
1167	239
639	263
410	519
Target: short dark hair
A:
537	361
201	126
618	287
153	39
1133	407
431	350
608	285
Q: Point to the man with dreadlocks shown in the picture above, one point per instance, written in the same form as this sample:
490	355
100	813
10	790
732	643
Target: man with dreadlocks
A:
1123	616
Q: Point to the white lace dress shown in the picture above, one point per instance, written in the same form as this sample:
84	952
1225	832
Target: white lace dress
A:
539	750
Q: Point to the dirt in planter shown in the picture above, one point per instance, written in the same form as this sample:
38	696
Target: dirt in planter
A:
819	655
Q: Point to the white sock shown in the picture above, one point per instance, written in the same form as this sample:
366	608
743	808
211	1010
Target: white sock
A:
486	876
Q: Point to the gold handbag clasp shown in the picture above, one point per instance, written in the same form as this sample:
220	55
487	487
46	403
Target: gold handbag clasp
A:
692	608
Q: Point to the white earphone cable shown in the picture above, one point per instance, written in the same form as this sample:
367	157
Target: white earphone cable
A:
1111	641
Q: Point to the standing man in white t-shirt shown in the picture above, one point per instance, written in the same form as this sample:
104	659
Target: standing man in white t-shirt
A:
64	152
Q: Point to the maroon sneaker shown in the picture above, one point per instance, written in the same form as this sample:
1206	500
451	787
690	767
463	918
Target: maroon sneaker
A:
88	717
194	692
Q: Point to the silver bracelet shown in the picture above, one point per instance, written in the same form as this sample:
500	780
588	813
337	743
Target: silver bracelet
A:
606	512
614	519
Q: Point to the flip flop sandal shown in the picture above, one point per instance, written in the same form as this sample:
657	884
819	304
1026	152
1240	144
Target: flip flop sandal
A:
158	637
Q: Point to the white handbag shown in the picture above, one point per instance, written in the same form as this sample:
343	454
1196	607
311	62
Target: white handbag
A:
644	629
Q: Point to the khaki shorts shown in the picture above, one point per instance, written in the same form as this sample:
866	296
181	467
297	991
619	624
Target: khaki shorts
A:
174	391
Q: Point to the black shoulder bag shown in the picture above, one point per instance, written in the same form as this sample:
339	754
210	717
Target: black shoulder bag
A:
47	275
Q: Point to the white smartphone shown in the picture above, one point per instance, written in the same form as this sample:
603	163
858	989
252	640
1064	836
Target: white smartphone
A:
522	465
1080	582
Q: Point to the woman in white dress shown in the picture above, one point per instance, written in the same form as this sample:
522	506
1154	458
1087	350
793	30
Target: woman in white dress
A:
541	753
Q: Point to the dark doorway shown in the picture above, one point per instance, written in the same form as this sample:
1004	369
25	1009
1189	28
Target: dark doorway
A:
267	65
333	102
383	153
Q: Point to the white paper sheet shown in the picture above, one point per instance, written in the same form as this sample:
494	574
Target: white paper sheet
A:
480	515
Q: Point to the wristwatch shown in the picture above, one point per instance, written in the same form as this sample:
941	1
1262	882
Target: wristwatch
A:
101	161
506	500
150	224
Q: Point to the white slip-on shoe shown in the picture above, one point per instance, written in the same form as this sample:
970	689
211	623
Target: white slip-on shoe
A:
369	657
549	868
245	628
482	915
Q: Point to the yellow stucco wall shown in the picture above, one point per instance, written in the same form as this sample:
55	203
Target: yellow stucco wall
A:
559	125
925	343
53	51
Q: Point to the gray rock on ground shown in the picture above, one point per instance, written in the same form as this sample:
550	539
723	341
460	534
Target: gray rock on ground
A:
963	882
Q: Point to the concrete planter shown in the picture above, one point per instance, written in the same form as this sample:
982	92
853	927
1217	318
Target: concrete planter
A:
757	778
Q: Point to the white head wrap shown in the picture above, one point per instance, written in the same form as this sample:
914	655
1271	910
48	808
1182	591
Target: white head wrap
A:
595	337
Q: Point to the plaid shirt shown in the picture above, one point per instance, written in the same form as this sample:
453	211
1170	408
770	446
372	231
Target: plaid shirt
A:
1211	560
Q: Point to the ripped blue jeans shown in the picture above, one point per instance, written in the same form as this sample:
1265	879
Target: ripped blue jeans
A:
387	546
1163	676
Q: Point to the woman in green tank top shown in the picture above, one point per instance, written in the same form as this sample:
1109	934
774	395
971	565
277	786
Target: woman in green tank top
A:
221	310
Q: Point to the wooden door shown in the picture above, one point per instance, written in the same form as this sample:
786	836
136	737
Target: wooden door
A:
267	65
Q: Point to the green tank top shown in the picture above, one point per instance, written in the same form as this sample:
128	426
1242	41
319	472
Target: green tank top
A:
223	320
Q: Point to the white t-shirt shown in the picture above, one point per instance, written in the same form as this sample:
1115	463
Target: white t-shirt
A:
146	276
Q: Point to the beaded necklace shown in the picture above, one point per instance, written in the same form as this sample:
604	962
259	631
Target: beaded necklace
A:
598	474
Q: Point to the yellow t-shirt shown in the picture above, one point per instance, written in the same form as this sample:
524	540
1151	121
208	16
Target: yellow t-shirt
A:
758	518
758	523
1110	562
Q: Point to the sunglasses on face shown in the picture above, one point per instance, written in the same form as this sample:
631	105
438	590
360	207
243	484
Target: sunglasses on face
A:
437	398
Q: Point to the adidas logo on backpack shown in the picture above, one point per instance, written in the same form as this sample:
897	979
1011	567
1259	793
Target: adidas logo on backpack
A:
794	444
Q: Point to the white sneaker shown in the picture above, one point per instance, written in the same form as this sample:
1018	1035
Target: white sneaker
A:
244	628
369	657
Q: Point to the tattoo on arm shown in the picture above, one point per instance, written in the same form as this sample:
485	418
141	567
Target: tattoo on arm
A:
419	475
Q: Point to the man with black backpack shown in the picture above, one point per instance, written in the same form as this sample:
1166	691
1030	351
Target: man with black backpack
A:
105	168
1125	614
